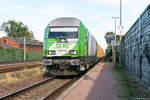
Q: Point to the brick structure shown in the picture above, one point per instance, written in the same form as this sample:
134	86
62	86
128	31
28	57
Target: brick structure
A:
16	43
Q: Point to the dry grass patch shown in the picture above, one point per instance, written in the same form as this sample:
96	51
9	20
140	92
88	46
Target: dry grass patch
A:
19	75
130	88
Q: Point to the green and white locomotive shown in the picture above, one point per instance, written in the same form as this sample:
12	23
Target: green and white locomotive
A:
68	47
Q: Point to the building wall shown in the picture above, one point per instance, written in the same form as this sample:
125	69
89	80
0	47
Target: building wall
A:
31	48
7	40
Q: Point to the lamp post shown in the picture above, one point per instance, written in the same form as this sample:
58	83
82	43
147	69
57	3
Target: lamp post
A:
114	46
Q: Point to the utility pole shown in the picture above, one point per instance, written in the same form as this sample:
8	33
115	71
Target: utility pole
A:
24	49
120	12
114	46
121	28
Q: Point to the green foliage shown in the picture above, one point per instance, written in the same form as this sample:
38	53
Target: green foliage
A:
109	38
6	78
1	47
109	34
16	29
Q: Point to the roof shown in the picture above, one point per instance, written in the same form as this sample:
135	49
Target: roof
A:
7	46
65	21
28	41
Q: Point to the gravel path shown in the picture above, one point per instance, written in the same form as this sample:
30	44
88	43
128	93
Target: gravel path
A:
8	88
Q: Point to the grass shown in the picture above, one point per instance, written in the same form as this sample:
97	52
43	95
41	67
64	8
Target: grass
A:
130	88
19	75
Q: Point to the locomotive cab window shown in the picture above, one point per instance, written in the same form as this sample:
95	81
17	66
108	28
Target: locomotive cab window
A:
63	32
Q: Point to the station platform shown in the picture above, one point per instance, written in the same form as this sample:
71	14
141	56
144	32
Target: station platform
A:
97	84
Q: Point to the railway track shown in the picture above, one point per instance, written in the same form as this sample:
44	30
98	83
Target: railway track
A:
56	93
48	89
15	93
44	90
18	66
12	62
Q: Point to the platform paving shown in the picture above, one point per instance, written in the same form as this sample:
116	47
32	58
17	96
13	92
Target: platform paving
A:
98	84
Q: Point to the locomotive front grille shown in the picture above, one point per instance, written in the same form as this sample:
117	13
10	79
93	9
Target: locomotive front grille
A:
70	61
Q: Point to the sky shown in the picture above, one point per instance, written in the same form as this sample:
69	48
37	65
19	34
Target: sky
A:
95	14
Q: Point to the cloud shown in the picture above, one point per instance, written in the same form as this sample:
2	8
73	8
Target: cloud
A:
97	15
116	3
54	9
103	2
59	10
135	2
93	17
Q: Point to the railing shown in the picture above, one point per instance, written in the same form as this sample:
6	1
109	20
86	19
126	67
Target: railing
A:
17	55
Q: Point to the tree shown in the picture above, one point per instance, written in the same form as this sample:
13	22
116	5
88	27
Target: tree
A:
16	29
1	47
109	36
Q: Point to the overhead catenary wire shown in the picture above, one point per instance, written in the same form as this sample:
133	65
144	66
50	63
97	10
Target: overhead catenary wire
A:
6	18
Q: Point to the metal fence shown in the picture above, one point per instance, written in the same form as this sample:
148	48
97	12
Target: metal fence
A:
135	48
17	55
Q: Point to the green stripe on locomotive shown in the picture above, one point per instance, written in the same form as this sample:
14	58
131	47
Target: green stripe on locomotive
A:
80	46
83	40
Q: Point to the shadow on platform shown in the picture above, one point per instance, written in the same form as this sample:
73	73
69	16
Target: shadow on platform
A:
103	87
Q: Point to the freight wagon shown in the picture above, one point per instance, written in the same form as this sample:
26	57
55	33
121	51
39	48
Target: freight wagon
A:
99	51
68	47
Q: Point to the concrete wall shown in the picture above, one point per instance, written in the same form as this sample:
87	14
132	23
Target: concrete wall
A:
135	48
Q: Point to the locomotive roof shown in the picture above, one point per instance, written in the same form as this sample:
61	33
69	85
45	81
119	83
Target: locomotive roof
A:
65	21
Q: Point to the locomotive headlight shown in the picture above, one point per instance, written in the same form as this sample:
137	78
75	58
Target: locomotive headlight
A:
73	52
51	52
